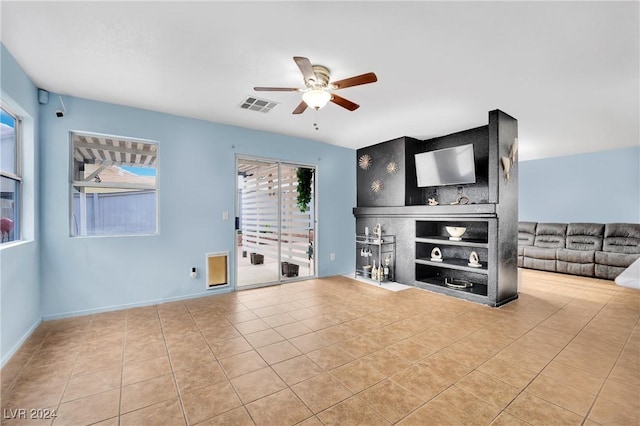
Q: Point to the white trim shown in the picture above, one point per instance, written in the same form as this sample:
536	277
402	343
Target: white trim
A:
20	342
134	305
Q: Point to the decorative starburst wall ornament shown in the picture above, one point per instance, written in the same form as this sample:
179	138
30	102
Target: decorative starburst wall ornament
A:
392	168
376	185
364	162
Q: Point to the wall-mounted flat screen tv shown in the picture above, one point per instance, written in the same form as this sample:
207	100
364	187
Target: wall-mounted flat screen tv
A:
449	166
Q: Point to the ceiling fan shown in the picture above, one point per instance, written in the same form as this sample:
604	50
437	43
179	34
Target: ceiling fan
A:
317	80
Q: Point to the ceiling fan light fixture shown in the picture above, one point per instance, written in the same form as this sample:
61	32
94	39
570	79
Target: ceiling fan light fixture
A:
316	98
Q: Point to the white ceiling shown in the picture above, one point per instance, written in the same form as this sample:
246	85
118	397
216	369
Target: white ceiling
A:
568	71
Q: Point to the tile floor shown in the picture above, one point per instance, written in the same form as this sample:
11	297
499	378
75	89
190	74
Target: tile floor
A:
337	351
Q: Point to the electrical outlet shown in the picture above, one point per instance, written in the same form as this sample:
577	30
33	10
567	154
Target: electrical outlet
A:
333	256
193	273
225	215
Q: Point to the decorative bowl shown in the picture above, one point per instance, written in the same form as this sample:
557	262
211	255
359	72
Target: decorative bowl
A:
456	232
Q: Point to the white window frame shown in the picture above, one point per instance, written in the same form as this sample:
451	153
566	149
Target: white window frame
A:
78	227
16	177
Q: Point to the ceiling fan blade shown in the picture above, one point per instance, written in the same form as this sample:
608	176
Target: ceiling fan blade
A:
300	108
355	81
305	68
275	89
344	103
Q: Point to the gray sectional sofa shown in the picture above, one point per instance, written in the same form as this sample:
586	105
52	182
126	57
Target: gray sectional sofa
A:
587	249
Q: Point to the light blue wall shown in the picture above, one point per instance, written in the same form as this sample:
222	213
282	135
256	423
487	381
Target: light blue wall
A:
19	273
196	184
601	187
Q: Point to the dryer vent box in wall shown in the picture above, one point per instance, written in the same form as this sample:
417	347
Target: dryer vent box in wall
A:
217	269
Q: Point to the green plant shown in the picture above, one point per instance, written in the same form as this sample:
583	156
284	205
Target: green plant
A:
305	176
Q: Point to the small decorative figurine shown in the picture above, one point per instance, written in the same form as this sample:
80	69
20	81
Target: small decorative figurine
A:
436	254
433	202
474	262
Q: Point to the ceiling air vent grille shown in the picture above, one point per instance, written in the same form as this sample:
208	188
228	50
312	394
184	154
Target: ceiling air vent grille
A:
256	104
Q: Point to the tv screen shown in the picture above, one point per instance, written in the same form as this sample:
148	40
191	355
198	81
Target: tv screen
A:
449	166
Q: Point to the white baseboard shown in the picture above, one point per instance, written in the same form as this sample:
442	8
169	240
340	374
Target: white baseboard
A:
210	292
20	342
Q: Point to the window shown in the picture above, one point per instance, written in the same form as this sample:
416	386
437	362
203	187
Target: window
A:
10	176
113	185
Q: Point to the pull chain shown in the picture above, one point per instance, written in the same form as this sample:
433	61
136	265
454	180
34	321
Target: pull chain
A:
315	124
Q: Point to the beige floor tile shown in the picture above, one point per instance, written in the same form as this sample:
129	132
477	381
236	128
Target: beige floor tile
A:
229	347
279	319
428	414
236	417
589	364
556	392
465	407
198	377
622	393
537	411
143	394
257	384
309	342
182	359
246	362
409	350
263	338
251	326
607	412
281	408
321	392
330	357
422	381
523	358
386	362
223	332
293	329
92	383
488	389
278	352
337	333
577	333
296	369
167	413
208	402
146	369
573	377
352	412
90	364
357	375
391	400
90	409
360	346
135	353
506	419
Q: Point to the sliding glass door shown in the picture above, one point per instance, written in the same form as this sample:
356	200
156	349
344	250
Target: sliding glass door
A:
275	222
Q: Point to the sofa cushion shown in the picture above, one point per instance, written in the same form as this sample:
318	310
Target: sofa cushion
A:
622	260
550	235
539	258
585	236
584	269
622	238
526	233
576	256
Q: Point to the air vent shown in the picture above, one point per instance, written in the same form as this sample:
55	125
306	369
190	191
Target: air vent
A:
256	104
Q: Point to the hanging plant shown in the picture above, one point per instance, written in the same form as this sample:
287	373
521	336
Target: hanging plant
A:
304	187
